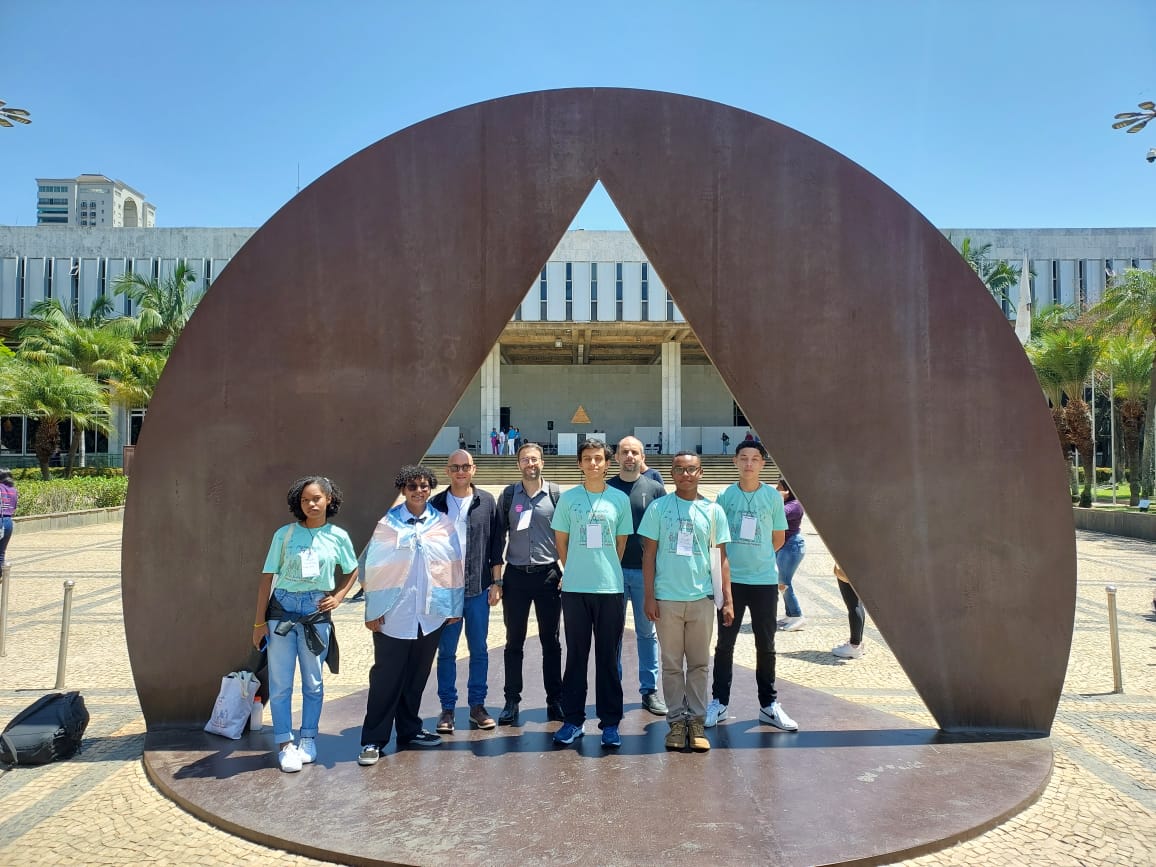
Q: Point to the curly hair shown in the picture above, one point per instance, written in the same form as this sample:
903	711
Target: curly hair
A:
327	487
413	473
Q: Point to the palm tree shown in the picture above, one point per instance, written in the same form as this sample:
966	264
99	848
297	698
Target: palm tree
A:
92	346
51	393
998	276
165	305
135	379
1129	303
7	115
1130	363
1067	358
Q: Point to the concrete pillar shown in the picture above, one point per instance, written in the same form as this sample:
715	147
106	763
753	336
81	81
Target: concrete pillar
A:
671	397
118	427
491	382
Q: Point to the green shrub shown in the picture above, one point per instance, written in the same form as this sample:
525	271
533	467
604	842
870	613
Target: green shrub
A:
70	495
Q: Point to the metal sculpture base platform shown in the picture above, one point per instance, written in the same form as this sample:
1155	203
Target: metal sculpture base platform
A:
854	786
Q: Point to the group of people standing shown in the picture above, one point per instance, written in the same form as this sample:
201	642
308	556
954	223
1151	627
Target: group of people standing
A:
505	441
436	564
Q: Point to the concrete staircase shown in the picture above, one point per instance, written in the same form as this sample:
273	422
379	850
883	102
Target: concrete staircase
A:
716	469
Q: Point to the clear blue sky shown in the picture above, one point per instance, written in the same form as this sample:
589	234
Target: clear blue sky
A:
982	114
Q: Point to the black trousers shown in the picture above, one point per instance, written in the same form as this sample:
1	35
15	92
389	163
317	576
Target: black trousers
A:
855	613
401	667
520	590
600	616
763	601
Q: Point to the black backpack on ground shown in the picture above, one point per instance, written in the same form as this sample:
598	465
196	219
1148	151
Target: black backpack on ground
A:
46	731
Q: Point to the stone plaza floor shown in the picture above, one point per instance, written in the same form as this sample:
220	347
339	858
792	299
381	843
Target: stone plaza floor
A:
99	808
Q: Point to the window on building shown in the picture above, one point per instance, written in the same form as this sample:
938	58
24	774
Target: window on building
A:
618	291
645	292
1055	281
569	291
593	291
740	418
12	434
542	298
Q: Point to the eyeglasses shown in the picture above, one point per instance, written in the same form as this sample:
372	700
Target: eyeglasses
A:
459	468
416	487
686	471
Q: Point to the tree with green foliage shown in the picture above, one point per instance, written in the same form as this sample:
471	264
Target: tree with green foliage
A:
998	275
51	393
1067	358
164	306
1129	306
1129	361
94	345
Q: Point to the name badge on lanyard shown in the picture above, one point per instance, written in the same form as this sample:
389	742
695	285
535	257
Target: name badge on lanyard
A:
684	546
593	535
524	519
748	527
310	566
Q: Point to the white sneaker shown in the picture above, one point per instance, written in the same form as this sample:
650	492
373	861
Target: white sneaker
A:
792	624
307	747
715	713
773	714
848	651
290	759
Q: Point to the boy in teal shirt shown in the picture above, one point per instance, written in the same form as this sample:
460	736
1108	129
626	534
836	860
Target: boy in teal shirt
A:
591	523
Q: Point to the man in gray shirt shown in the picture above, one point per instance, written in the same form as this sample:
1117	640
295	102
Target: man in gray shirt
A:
532	576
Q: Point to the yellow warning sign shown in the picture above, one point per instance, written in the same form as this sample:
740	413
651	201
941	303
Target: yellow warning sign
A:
580	417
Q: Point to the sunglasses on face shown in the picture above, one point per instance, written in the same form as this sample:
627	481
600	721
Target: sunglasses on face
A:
460	468
686	471
412	486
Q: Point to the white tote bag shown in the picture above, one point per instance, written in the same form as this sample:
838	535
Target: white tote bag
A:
234	704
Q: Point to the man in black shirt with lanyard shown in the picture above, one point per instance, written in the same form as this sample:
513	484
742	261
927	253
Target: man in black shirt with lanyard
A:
532	577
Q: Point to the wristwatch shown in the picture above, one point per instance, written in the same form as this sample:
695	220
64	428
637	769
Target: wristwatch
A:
499	582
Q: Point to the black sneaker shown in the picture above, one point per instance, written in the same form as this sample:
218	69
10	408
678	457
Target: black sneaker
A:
509	714
554	712
421	739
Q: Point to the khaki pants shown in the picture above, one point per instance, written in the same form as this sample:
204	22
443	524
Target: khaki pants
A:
685	630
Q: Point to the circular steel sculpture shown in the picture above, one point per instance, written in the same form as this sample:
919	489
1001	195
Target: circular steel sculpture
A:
888	386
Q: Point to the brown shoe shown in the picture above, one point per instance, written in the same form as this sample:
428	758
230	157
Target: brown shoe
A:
479	719
676	738
698	741
446	723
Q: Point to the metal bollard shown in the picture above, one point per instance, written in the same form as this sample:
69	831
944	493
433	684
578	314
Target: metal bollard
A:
65	623
1114	636
5	580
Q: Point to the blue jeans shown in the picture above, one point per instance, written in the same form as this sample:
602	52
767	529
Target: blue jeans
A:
788	559
286	652
645	632
477	624
6	529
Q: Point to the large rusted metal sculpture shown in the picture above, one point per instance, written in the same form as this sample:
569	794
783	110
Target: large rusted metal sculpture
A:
887	385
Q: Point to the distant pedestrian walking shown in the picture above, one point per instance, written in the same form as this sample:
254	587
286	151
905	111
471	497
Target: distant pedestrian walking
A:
856	617
789	557
8	499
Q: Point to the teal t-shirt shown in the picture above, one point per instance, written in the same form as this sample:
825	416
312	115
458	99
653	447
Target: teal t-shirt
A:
593	570
682	577
331	545
752	559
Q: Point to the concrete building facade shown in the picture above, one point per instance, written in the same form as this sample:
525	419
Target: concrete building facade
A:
597	328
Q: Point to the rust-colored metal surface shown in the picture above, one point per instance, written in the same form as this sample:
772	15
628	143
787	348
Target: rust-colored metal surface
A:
886	383
854	786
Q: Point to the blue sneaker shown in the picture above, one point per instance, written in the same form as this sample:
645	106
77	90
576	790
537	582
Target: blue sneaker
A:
610	738
568	733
